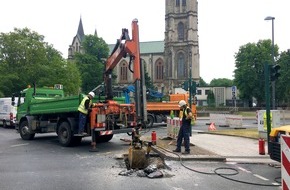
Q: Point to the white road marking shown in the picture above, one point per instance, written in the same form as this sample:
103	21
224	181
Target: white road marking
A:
261	177
244	170
16	145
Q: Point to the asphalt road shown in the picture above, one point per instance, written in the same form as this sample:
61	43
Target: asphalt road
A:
43	164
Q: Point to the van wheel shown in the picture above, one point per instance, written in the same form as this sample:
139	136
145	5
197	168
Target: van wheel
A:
64	134
24	131
4	124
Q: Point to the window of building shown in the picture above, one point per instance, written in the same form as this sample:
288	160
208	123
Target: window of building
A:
180	66
207	92
177	2
159	70
124	71
180	30
198	92
77	47
183	2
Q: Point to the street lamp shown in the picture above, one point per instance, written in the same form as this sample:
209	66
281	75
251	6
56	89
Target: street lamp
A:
273	60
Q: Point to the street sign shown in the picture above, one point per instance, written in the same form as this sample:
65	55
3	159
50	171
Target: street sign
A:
234	88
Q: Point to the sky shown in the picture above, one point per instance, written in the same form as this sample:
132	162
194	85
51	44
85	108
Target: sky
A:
223	26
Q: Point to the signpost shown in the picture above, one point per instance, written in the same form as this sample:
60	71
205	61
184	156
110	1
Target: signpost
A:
234	89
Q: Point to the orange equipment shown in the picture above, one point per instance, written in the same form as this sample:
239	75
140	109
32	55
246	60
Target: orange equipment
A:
110	117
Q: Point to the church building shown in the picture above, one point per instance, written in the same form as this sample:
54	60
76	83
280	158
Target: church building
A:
168	62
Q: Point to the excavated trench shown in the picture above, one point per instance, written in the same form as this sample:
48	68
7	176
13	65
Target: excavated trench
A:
153	167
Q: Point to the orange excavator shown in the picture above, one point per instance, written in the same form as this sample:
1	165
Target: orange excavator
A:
109	117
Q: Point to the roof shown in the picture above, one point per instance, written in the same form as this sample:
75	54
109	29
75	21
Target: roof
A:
147	47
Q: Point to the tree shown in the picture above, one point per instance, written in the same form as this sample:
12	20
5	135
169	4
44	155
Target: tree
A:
202	82
282	84
221	82
249	72
25	58
90	62
210	99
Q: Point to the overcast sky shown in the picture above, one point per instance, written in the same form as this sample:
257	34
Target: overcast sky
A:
224	25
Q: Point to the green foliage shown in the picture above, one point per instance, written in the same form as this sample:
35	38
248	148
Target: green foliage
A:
249	72
202	82
282	84
211	99
222	82
90	62
25	58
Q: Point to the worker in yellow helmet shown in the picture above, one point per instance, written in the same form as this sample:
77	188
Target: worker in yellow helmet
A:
184	131
83	109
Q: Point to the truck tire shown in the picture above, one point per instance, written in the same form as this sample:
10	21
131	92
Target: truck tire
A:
24	131
65	135
150	120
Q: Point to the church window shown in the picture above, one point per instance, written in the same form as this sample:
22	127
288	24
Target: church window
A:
180	66
159	70
180	30
124	72
183	2
177	2
77	47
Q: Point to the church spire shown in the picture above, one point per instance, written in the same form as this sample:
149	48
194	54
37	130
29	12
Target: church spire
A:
80	32
96	34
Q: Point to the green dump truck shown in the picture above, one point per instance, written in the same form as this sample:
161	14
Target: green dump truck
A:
47	110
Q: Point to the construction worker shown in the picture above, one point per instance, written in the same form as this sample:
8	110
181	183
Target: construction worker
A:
184	131
83	108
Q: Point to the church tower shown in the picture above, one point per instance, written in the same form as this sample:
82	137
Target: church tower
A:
77	41
181	48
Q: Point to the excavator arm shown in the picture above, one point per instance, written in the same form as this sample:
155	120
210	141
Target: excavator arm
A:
126	46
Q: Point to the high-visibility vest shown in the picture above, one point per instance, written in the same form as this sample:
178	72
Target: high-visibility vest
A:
185	113
82	107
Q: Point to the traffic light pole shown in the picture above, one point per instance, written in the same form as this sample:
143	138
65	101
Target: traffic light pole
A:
267	93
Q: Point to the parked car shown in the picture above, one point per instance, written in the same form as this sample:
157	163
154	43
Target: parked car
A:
275	141
8	111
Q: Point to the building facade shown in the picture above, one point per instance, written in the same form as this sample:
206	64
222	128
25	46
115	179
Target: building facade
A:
169	62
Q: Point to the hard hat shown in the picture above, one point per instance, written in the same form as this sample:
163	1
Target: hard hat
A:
92	94
181	103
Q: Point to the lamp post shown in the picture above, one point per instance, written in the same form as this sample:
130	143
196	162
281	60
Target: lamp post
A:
273	60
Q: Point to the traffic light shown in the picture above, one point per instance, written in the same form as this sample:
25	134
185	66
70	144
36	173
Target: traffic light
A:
275	72
193	87
185	85
234	95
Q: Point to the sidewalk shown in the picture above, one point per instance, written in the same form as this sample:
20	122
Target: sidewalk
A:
208	147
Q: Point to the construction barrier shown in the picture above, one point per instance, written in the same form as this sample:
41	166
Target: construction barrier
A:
226	120
285	162
173	126
262	119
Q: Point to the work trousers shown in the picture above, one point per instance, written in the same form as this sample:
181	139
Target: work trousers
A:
82	122
184	133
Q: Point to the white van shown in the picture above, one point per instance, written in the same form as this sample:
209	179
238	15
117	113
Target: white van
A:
8	112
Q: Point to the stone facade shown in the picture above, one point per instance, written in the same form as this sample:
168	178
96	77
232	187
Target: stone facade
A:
172	61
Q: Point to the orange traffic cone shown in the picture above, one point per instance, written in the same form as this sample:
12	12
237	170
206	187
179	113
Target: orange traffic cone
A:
211	127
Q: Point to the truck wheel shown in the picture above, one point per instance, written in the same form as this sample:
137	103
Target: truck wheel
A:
4	124
24	131
150	120
64	134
